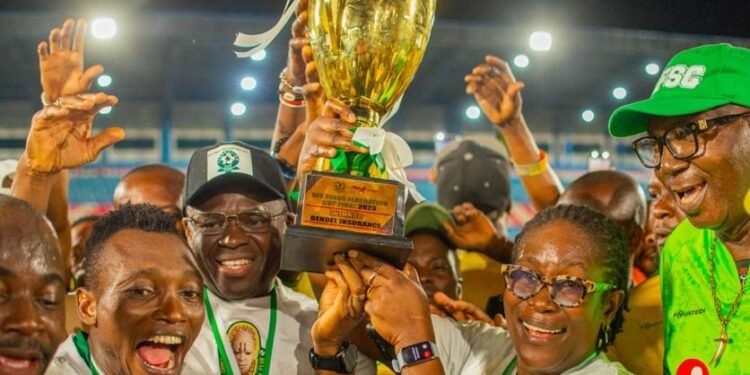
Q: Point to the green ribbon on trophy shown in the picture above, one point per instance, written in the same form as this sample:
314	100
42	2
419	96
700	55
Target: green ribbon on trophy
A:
388	155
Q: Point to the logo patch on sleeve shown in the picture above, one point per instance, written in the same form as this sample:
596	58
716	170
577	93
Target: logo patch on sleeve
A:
228	159
692	367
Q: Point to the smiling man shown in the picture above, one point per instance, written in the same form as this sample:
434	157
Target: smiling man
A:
698	142
236	211
32	290
434	255
142	299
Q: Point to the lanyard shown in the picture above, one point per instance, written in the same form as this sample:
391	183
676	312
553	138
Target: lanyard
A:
225	366
82	346
512	365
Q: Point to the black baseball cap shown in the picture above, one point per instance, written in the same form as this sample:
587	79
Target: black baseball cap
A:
474	170
232	165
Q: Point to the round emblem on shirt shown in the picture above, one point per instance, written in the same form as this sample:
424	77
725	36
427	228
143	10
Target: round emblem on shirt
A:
245	340
692	366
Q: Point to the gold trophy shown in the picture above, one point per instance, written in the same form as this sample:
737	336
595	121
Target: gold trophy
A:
366	53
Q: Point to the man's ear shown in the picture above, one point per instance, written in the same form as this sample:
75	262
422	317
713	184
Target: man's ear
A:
188	229
635	235
86	306
433	174
290	218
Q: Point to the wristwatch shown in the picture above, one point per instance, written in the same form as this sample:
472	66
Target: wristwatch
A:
413	354
343	362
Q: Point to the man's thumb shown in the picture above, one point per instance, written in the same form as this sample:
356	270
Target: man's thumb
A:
515	88
106	138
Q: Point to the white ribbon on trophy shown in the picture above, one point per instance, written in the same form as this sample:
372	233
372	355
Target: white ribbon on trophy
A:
258	42
396	155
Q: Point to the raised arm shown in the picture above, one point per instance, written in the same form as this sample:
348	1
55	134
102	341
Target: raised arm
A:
499	95
61	73
300	98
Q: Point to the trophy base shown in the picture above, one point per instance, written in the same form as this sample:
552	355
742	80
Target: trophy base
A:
312	249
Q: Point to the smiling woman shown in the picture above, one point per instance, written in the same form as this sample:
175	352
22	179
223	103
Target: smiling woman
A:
564	301
566	290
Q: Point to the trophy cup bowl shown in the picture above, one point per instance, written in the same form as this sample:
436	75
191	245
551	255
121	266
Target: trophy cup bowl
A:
366	53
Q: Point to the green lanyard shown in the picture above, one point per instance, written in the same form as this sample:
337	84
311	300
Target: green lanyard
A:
224	365
512	364
82	346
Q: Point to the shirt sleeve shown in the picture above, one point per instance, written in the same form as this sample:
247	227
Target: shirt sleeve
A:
365	365
471	348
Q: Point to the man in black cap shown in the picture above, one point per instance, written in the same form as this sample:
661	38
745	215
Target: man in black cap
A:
236	210
472	177
475	170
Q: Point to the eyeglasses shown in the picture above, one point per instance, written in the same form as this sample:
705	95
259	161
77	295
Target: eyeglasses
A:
256	220
681	140
566	291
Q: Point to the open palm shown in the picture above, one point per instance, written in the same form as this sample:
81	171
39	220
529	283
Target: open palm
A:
496	90
60	137
61	62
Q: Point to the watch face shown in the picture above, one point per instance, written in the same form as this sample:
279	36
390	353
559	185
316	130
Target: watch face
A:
417	352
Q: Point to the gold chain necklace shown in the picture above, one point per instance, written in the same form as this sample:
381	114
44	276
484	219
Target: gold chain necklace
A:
723	340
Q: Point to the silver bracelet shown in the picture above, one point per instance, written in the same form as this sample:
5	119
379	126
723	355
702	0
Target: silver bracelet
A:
295	89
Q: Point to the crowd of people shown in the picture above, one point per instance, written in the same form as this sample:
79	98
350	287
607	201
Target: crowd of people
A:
183	276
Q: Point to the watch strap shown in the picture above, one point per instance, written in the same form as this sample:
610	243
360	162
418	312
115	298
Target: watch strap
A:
343	362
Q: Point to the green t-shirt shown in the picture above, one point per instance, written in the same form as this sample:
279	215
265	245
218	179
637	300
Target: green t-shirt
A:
690	321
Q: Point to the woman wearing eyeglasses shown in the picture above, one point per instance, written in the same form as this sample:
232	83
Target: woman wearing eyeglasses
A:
566	291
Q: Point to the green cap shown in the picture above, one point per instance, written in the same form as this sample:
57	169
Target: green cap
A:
694	80
428	217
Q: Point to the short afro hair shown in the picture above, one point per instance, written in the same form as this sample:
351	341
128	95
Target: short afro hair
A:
611	251
143	217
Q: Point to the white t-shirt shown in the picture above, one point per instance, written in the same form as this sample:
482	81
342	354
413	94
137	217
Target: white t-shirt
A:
477	348
67	361
244	328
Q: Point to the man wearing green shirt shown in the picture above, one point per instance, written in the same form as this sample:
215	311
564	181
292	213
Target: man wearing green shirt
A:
698	143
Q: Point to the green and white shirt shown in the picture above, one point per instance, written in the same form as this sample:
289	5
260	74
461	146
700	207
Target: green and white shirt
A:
477	348
244	329
690	321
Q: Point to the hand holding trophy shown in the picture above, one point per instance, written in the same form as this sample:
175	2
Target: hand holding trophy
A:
366	53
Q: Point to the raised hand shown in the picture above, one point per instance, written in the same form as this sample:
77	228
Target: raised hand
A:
496	91
296	64
461	310
312	90
341	308
60	136
474	231
327	133
61	62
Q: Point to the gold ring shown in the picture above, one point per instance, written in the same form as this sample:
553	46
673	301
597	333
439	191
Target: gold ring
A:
371	278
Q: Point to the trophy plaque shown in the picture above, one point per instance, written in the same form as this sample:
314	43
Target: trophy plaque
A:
337	213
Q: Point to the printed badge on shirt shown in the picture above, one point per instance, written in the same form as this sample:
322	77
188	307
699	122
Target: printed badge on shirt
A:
245	340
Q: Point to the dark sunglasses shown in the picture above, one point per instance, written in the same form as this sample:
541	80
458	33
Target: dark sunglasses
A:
566	291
